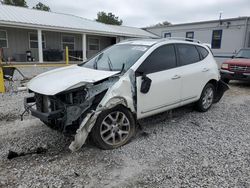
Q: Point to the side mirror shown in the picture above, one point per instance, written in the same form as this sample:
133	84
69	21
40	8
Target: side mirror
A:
145	85
233	56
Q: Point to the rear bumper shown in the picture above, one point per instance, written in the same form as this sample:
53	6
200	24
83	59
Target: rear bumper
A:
225	74
29	102
220	90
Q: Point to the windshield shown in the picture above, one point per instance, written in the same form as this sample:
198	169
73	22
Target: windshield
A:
116	58
244	53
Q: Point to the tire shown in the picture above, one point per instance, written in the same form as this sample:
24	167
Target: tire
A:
113	128
226	80
206	100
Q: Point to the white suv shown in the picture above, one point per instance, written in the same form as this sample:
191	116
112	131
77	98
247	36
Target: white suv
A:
134	79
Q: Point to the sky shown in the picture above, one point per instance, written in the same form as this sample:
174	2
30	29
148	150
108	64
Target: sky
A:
143	13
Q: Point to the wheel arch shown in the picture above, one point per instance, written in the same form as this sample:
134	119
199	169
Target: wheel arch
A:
211	81
214	82
200	106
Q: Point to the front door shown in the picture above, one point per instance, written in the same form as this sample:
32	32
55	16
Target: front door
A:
164	92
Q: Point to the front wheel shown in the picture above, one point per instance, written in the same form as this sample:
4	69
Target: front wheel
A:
206	100
113	128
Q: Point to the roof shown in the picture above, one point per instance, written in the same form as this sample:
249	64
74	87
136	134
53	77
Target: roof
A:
200	22
31	18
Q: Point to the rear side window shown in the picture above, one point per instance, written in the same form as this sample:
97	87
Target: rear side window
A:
188	54
204	53
163	58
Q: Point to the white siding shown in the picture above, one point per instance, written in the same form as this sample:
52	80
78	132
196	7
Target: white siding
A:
233	34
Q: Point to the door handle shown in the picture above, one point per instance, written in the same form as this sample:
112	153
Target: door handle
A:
205	69
176	77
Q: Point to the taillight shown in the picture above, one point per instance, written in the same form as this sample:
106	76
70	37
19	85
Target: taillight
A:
224	66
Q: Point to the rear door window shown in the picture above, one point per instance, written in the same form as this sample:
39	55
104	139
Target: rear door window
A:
188	54
163	58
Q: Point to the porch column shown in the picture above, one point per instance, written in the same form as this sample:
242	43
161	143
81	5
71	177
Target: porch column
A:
117	40
40	45
84	47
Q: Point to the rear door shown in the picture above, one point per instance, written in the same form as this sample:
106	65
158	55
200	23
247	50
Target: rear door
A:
164	93
193	69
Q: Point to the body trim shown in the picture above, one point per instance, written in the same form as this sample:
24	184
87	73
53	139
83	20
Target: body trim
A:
170	104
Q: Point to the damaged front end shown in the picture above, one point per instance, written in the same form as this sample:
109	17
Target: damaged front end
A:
121	93
65	111
75	111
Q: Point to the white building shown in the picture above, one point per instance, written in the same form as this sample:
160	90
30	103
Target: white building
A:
45	35
226	36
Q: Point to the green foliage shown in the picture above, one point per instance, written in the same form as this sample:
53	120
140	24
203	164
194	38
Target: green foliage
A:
20	3
108	18
41	6
165	23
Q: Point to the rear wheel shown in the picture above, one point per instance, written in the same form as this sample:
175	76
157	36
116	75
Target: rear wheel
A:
206	99
113	128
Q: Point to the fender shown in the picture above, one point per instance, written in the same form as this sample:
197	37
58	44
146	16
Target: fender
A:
120	93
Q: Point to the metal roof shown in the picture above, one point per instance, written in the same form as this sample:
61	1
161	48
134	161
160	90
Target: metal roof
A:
30	18
199	22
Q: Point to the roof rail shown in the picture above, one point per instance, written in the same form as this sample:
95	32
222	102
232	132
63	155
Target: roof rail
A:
132	39
183	38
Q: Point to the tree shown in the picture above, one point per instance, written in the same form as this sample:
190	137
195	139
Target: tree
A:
108	18
20	3
165	23
41	6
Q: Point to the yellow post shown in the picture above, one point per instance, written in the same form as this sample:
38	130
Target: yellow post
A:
2	86
67	55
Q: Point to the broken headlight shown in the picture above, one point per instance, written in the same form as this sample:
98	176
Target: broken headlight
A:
73	97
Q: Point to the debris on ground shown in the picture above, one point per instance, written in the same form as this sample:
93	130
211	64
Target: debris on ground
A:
39	150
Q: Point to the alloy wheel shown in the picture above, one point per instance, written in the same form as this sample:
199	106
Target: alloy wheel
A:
208	97
115	128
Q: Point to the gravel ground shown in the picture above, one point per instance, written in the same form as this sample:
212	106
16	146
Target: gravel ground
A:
189	149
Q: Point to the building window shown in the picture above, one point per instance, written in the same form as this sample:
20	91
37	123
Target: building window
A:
69	41
190	35
93	44
33	40
167	35
216	39
3	39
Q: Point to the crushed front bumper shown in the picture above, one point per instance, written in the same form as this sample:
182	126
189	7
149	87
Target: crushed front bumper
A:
29	102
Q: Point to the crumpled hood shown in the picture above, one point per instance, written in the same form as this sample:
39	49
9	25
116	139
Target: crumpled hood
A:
61	79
